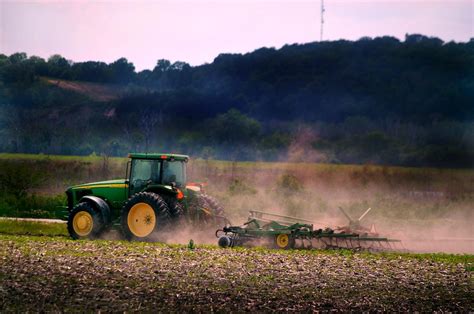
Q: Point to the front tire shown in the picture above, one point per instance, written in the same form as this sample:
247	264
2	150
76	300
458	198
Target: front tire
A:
143	214
84	222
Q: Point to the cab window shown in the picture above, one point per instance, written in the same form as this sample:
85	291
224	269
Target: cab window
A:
145	170
173	171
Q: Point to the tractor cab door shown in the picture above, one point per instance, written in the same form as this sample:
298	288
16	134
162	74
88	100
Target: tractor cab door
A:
174	172
143	173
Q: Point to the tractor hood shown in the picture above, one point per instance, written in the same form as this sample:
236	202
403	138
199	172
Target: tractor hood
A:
114	192
120	183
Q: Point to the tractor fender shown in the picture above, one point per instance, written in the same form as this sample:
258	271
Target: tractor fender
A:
100	205
162	190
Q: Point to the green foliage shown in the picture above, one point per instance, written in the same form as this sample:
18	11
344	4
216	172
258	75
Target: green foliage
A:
33	186
371	101
122	71
17	177
233	127
33	206
239	187
18	227
290	182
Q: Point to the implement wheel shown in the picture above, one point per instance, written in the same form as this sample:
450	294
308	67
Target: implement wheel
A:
84	222
284	241
143	214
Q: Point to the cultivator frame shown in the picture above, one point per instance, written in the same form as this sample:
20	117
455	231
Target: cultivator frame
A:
286	232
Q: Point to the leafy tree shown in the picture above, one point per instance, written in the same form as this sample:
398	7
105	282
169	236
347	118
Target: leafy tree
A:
162	65
91	71
122	71
58	66
18	57
234	127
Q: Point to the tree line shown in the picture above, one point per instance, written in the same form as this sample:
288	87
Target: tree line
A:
380	100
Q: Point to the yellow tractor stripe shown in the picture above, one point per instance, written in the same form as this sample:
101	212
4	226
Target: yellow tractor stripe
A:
118	185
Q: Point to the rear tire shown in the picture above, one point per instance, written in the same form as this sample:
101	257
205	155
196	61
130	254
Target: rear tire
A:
143	214
217	210
210	213
213	204
84	222
176	208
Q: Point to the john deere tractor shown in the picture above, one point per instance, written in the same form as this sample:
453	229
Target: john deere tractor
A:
153	196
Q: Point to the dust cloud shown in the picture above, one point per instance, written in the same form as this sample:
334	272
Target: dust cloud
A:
429	210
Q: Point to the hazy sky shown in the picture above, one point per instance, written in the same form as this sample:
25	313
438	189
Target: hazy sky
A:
196	31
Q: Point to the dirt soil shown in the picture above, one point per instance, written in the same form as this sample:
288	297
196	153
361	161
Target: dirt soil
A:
53	274
99	92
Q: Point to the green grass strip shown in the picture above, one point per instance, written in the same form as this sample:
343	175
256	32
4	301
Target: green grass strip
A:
15	227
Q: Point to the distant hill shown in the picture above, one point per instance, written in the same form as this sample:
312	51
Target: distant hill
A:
95	91
379	101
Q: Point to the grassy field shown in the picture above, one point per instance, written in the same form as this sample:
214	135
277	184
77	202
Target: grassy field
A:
16	227
413	203
58	274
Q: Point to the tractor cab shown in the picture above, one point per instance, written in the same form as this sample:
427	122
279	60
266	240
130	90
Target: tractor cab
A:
152	170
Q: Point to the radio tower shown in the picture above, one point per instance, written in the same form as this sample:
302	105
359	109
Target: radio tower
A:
322	19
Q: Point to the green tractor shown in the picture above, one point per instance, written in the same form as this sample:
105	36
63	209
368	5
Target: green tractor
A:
153	197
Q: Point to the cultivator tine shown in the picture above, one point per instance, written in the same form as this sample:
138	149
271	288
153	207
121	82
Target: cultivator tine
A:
303	240
345	214
299	244
380	246
350	245
383	245
353	247
363	215
326	245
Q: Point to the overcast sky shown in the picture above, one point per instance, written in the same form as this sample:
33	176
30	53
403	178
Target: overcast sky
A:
196	31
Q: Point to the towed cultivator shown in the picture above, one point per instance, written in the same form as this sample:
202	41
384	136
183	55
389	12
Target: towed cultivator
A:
285	232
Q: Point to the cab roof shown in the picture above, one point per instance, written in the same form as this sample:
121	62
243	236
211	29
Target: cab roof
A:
159	156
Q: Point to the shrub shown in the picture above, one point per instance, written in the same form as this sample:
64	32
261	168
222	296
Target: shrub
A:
290	182
239	187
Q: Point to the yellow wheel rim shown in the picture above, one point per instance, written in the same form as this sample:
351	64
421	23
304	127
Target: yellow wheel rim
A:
141	220
82	223
282	241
